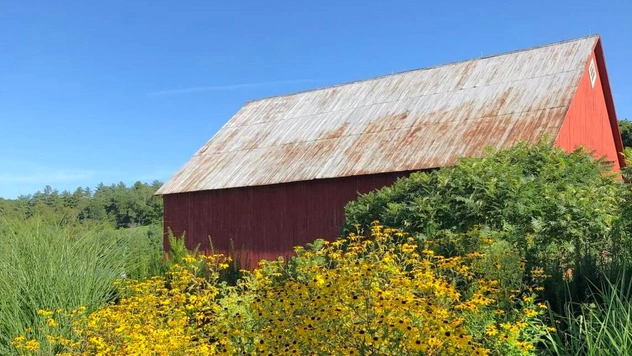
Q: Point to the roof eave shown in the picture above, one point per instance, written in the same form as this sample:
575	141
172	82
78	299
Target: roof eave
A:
612	115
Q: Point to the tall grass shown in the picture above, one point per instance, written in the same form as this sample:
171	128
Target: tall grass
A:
603	327
142	251
45	265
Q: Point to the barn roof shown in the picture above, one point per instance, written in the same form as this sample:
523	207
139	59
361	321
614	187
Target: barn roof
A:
414	120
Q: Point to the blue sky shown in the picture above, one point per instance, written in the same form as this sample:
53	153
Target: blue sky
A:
109	91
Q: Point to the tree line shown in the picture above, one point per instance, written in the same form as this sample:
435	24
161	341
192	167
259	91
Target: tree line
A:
117	205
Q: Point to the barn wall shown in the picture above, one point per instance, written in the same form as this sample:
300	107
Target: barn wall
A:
265	222
587	121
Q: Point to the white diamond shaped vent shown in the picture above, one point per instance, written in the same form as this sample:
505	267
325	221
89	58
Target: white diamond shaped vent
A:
592	72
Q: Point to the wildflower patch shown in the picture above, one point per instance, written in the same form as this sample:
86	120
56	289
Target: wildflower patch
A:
384	294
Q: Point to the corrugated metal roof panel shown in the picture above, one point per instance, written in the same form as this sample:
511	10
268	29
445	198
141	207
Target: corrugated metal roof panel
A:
415	120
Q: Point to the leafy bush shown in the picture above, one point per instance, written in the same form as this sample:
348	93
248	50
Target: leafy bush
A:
557	211
386	295
625	128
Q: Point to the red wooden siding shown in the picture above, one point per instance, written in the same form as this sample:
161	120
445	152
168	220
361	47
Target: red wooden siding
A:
588	122
265	222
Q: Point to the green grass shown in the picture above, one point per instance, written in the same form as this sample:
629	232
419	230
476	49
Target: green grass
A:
142	251
44	265
603	327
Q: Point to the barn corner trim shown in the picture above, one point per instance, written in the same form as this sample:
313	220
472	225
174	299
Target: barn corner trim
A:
612	115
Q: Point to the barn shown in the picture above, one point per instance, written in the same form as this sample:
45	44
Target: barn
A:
280	171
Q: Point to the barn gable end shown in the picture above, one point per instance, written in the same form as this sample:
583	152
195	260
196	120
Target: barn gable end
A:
591	120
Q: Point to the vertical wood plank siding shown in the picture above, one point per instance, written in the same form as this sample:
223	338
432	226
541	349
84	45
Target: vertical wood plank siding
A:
264	222
587	122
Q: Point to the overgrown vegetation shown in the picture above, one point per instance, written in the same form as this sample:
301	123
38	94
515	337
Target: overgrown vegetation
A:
556	211
564	213
463	260
47	266
601	327
382	295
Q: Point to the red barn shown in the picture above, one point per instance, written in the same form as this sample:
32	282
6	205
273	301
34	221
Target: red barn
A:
280	172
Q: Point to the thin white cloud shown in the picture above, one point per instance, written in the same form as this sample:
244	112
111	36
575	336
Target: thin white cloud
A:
46	177
18	177
227	87
25	172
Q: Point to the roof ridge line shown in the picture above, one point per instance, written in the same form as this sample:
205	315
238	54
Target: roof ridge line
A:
425	68
392	101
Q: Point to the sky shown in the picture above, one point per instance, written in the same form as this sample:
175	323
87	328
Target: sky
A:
111	91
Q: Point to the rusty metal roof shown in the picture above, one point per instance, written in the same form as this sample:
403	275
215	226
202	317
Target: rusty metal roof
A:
415	120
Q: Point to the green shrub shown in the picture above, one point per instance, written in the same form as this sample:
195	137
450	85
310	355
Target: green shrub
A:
557	211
